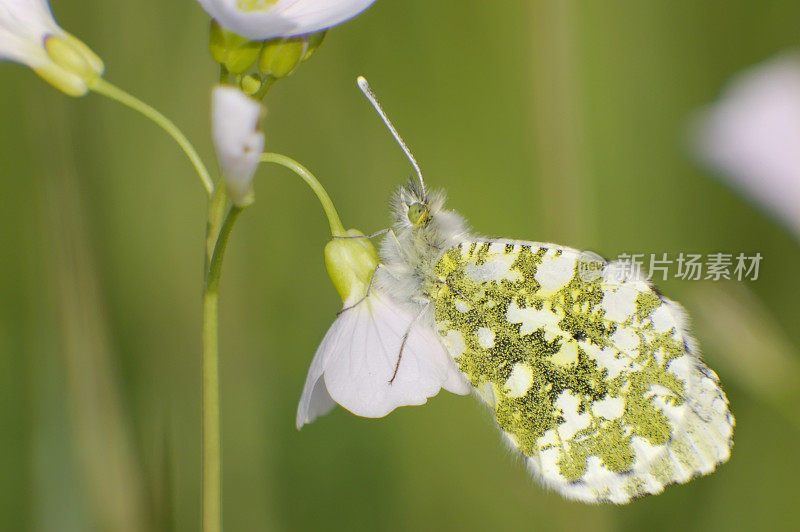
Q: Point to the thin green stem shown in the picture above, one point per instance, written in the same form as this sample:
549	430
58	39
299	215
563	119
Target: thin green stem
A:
266	85
212	447
101	86
337	229
212	455
215	268
216	216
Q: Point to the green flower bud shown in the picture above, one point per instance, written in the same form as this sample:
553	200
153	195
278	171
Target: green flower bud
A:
280	57
351	262
250	84
95	63
236	53
72	67
66	56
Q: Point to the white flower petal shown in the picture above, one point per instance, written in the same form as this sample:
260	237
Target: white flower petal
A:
238	142
265	20
359	355
315	400
752	135
24	25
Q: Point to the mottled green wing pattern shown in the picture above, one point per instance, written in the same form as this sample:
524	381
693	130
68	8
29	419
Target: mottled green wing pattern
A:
593	377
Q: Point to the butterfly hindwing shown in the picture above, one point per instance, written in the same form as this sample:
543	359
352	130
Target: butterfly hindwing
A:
593	376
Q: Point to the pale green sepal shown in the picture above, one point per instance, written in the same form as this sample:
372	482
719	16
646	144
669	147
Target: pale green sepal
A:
66	55
95	63
314	42
235	52
67	82
217	44
351	262
280	57
72	68
245	201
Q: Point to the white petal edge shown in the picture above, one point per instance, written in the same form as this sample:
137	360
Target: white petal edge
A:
287	18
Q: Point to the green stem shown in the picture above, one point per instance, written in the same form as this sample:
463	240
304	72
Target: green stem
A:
266	85
337	229
212	461
216	216
215	268
212	448
101	86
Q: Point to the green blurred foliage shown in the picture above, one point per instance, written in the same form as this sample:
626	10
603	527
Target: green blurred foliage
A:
545	120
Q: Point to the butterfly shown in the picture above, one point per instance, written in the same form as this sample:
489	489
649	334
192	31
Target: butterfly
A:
591	374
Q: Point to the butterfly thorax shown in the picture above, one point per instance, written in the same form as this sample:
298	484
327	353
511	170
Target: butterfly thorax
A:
423	231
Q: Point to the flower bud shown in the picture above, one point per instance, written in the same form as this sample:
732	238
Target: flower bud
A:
238	141
351	263
72	65
250	84
236	53
94	61
280	57
66	56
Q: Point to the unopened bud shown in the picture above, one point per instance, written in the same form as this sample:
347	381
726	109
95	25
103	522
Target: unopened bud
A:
63	54
94	61
280	57
250	84
72	67
351	263
236	53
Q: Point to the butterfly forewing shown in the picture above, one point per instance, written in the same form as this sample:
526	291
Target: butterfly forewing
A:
592	375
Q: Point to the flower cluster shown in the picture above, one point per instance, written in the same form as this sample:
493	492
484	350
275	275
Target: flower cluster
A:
260	41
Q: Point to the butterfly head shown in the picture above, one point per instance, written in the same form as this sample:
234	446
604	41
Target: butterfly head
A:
418	214
415	208
412	206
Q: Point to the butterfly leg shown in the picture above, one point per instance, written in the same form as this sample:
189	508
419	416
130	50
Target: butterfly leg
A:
368	237
366	295
405	339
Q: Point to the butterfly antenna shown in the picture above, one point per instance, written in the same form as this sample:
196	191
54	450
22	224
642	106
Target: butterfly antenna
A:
365	88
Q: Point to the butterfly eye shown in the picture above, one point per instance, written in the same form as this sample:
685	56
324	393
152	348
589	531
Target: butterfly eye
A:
417	213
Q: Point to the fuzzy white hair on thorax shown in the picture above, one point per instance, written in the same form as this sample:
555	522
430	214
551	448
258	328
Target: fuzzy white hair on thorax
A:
410	252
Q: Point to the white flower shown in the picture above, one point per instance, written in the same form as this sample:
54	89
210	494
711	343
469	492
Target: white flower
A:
378	355
238	142
364	365
270	19
29	35
752	135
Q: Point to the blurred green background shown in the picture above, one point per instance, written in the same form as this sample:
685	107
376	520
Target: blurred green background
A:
545	120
